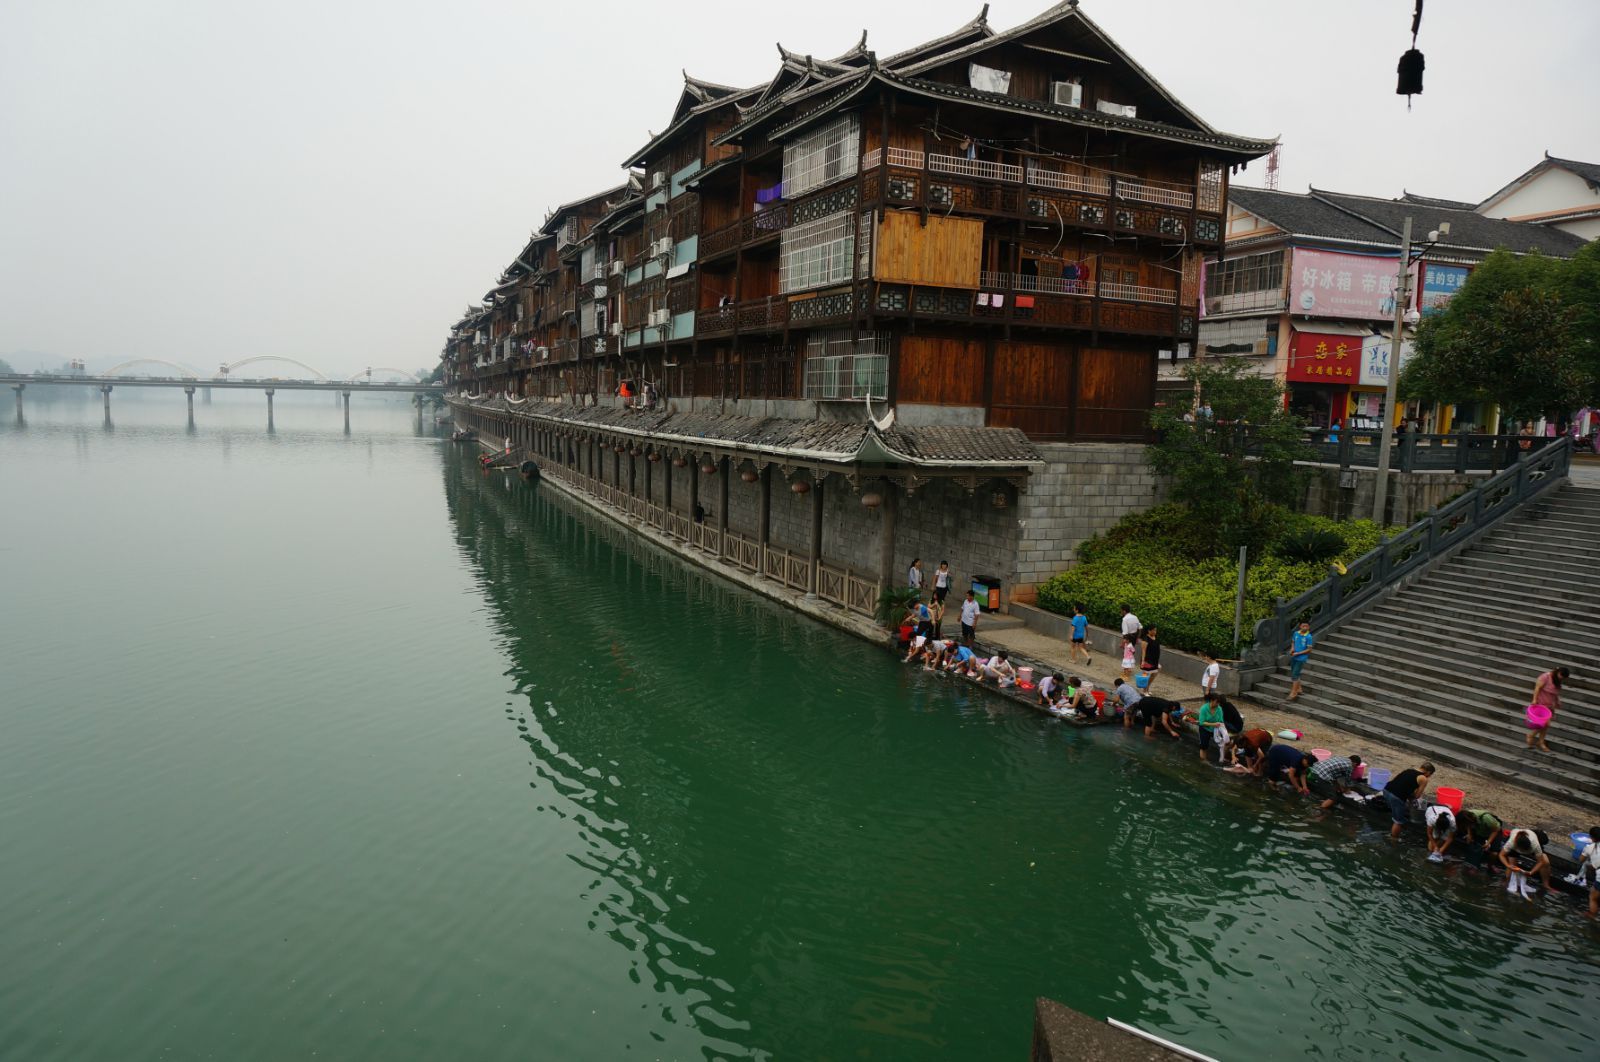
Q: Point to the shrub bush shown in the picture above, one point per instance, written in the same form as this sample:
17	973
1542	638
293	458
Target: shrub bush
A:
1309	546
1150	560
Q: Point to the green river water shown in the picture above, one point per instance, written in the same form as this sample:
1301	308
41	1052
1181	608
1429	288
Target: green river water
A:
327	746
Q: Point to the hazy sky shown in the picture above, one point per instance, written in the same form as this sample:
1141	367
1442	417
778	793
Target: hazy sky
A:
335	181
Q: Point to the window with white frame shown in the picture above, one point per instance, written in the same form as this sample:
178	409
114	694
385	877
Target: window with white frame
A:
840	366
817	253
1251	282
827	155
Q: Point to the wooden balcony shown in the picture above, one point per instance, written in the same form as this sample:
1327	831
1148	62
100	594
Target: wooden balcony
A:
754	315
1028	307
750	229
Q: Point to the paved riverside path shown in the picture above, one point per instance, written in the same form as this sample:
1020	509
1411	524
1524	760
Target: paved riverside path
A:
1508	797
1446	664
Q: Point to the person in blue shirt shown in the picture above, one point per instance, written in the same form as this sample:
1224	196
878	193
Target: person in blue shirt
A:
1301	651
1080	635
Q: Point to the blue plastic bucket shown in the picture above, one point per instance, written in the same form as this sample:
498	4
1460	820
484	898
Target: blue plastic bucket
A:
1141	682
1378	777
1580	841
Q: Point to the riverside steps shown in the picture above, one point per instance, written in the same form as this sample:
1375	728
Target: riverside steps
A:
1445	666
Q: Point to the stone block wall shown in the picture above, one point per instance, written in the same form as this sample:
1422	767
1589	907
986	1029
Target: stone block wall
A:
1083	489
1411	494
940	521
850	530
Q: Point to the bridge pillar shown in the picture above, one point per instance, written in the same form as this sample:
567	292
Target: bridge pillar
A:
347	412
105	389
188	393
269	408
19	388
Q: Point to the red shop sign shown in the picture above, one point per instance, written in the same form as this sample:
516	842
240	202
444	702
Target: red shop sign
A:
1315	357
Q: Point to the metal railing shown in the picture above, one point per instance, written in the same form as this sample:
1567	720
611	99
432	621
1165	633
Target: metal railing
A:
1139	293
981	168
1034	282
1088	183
1436	535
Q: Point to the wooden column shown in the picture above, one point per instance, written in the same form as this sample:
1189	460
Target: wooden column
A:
890	509
694	484
633	476
649	496
816	533
666	470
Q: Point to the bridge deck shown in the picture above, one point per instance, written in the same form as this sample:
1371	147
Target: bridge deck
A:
56	379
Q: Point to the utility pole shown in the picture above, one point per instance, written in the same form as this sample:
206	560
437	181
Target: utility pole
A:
1402	298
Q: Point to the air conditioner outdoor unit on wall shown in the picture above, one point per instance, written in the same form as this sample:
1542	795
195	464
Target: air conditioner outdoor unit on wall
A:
1066	93
616	328
658	179
618	268
661	247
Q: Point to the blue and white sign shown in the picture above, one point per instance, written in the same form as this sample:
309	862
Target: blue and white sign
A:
1439	285
1375	360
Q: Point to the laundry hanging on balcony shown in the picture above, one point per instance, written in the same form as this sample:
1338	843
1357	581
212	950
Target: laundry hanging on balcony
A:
987	79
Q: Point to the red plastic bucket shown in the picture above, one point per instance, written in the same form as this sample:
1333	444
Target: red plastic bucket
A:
1450	798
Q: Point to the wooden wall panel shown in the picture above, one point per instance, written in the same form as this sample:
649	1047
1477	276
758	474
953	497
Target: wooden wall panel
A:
938	371
947	252
1033	388
1116	390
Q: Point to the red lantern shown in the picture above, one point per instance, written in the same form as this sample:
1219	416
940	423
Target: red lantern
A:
749	475
708	468
871	499
655	455
678	462
800	486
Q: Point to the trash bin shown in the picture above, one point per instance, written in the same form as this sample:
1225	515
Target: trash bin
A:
986	588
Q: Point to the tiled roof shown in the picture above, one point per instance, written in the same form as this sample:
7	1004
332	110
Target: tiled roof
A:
1468	230
1589	171
839	442
1298	214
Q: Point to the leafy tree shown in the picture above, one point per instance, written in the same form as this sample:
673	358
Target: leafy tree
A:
1234	467
1515	347
1523	333
5	366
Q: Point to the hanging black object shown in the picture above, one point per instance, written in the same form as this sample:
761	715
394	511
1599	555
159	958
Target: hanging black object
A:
1411	63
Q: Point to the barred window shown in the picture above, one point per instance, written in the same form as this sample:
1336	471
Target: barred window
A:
840	367
1255	272
817	253
827	155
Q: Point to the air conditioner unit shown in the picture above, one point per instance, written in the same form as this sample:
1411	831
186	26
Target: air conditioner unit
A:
1124	219
661	248
1171	227
618	268
941	194
658	179
1066	93
901	190
1038	208
1121	110
616	328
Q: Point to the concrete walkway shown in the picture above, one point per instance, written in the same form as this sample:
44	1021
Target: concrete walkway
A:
1046	654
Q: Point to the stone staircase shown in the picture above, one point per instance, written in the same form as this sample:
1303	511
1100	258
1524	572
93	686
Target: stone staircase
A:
1446	665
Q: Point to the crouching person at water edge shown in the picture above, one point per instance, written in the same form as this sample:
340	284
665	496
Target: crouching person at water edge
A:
1403	788
1440	822
1524	858
1330	778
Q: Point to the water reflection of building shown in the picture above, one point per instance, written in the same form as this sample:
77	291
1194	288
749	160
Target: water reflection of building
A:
1305	293
994	233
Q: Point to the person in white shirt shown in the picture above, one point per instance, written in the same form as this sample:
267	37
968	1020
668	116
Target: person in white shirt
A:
1131	627
941	581
1211	676
1049	687
1589	867
969	618
914	575
999	668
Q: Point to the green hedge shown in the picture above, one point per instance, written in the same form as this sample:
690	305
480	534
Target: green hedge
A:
1156	562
